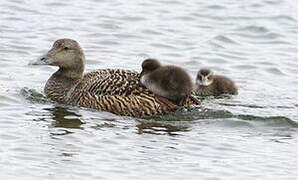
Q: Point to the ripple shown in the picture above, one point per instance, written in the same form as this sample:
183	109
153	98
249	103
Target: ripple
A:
161	128
127	36
284	18
163	46
5	99
65	118
254	29
132	18
152	32
108	26
269	38
275	121
33	96
245	67
273	2
253	133
216	7
56	4
275	71
225	39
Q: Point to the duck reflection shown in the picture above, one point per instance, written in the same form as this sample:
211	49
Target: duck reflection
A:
161	128
65	118
180	121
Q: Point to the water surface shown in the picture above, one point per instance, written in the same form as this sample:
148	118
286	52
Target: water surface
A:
251	136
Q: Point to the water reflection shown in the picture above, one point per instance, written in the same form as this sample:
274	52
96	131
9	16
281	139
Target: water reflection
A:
34	96
192	114
65	118
161	128
182	121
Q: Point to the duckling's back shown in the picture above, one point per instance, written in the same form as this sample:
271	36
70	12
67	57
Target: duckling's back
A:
220	85
225	85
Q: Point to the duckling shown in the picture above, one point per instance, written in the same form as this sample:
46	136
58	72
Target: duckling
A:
171	82
208	84
114	90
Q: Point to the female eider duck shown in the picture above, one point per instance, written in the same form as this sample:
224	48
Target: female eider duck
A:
208	84
113	90
171	82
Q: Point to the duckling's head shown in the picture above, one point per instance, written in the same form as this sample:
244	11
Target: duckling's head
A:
149	65
66	54
204	77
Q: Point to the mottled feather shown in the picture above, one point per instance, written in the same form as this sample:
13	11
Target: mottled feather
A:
113	90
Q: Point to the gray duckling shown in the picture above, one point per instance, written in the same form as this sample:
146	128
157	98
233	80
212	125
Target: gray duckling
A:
208	84
171	82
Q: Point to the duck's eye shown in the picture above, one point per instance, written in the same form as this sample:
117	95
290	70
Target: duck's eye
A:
66	48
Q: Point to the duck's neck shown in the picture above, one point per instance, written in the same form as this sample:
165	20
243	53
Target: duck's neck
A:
73	69
62	82
71	73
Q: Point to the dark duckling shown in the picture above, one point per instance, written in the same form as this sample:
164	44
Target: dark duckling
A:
208	84
171	82
114	90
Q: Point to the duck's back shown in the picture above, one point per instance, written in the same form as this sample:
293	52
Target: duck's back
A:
112	82
118	91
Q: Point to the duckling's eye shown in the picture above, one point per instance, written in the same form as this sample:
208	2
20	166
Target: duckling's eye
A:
66	48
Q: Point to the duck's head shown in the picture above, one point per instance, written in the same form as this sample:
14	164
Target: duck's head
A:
65	53
149	65
204	77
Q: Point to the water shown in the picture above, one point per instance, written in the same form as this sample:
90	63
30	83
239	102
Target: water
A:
251	136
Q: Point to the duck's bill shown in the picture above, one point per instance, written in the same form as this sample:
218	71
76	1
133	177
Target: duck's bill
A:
43	60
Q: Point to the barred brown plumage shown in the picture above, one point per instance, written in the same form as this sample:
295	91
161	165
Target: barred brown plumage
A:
114	90
131	98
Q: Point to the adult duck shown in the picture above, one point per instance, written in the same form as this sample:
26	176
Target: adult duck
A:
114	90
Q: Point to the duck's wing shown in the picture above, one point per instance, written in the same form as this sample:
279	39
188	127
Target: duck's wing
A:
120	92
117	91
132	105
113	82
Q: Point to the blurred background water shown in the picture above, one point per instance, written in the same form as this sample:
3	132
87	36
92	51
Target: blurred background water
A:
251	136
